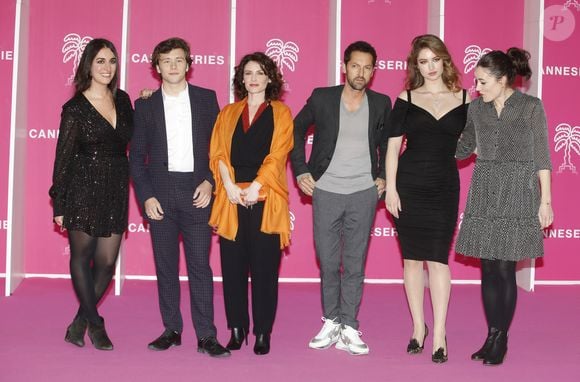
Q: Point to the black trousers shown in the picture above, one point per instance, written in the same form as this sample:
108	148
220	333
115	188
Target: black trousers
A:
182	218
257	254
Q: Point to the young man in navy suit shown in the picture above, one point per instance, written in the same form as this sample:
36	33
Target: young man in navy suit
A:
345	176
170	170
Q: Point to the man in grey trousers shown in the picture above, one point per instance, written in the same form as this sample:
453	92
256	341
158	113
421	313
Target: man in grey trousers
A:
345	176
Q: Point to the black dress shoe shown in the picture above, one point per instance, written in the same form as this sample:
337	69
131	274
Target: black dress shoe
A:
480	354
414	347
498	349
212	347
166	340
98	335
262	345
75	333
237	338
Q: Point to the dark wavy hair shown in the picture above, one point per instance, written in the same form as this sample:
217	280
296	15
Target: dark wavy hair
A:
359	46
274	87
450	74
83	76
513	63
167	46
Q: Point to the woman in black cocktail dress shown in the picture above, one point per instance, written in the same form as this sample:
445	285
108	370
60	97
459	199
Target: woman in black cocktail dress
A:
423	184
90	183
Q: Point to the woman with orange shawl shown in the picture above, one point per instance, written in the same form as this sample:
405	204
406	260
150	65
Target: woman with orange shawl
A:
248	151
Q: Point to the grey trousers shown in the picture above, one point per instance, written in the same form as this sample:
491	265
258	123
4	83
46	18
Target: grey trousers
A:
342	225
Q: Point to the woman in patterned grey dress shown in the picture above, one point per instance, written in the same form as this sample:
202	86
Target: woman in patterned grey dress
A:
509	200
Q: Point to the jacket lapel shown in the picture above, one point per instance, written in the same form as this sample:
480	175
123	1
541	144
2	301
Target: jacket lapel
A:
372	115
195	115
335	111
159	120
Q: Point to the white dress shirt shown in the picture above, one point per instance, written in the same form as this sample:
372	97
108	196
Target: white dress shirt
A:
179	131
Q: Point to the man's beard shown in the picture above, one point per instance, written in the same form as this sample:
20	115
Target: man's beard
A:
357	85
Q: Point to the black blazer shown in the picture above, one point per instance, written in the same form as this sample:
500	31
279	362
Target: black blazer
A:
148	150
323	111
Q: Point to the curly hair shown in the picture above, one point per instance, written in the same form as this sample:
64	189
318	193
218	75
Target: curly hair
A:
274	87
450	74
83	78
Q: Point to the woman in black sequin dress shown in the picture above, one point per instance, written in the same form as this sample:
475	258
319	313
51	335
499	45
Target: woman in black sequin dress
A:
90	183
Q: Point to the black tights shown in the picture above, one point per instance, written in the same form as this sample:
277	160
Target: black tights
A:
92	265
499	292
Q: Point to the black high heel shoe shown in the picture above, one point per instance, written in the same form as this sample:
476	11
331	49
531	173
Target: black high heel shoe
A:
75	332
262	345
414	347
498	349
481	353
440	355
238	336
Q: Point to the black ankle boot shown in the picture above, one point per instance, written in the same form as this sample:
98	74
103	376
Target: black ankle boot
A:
237	338
98	335
75	333
480	354
498	349
262	345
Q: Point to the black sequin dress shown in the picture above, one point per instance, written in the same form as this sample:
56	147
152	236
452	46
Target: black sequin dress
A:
90	181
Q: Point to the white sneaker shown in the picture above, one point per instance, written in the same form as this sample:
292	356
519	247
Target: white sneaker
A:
327	336
350	341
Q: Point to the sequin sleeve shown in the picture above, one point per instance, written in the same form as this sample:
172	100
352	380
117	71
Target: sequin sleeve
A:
66	151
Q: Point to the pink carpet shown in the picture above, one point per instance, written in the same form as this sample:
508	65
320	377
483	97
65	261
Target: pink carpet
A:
544	340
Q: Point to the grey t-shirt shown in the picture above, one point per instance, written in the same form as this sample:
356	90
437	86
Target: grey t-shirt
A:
349	170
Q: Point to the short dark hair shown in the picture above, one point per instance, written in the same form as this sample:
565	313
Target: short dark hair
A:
515	62
83	77
167	46
274	87
359	46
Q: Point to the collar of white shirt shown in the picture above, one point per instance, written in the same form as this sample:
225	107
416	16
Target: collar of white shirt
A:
182	97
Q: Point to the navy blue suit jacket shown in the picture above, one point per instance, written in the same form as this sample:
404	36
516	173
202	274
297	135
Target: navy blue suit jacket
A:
148	155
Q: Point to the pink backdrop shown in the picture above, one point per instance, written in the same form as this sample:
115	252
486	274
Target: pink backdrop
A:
48	88
6	56
209	41
372	22
467	38
300	39
304	67
560	95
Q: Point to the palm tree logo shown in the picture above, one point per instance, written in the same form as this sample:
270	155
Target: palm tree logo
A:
472	55
72	49
567	138
572	3
283	53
